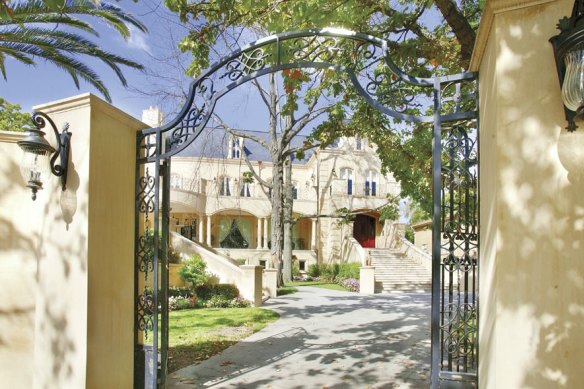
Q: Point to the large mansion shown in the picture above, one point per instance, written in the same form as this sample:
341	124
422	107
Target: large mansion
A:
213	203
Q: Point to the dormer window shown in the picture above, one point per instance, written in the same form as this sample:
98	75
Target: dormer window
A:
360	143
235	147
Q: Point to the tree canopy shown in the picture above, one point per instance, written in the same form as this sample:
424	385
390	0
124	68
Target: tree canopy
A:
425	38
12	118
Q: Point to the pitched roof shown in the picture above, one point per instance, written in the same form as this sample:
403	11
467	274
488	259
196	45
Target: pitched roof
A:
212	143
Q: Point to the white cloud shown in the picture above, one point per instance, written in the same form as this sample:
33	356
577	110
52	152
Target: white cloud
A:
138	40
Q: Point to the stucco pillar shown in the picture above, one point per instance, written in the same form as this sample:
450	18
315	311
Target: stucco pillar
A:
201	224
251	287
259	233
270	281
208	230
77	327
265	246
367	280
313	235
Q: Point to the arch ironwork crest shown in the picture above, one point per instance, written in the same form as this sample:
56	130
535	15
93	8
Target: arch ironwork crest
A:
448	103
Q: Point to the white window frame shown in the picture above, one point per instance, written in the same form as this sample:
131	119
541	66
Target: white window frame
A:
225	186
371	183
347	176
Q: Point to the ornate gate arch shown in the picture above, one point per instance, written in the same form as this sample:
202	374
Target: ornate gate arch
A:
451	105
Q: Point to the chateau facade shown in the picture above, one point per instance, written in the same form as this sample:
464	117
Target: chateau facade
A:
213	202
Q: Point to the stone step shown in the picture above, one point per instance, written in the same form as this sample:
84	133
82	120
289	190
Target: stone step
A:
394	271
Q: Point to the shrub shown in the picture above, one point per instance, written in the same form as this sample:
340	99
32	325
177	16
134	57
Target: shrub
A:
330	271
314	270
179	302
351	284
180	291
194	271
295	269
241	261
207	291
219	301
349	270
410	234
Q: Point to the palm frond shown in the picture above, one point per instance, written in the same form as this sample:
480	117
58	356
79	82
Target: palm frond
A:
32	35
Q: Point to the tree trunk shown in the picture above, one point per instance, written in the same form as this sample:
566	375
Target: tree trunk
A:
288	204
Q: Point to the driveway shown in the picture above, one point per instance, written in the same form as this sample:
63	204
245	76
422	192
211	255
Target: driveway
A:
327	339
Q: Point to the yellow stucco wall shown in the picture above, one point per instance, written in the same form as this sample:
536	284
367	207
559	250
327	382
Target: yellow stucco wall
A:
82	241
532	208
18	265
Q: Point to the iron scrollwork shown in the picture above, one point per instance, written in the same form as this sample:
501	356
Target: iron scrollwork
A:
459	264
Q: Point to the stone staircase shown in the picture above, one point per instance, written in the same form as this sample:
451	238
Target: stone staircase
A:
394	271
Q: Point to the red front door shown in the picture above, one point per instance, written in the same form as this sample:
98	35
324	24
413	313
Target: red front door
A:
364	230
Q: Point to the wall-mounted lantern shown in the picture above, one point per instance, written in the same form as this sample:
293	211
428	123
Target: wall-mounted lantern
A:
39	156
569	54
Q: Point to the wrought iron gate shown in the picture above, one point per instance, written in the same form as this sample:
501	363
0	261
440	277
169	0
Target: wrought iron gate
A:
449	102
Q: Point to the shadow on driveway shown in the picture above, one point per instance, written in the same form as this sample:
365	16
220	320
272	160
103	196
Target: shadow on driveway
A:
326	338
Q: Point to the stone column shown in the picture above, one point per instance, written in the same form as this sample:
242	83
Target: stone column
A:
208	230
265	246
313	235
201	226
259	243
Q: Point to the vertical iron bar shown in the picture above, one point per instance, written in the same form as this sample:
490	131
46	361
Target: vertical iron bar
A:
436	218
138	356
156	260
164	272
450	233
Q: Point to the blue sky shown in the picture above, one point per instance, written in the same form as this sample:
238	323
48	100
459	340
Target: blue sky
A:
33	85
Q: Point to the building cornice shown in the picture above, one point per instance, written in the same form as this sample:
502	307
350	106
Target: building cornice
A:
11	136
90	100
492	8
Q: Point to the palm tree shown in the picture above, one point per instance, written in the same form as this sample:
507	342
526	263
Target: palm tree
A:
34	31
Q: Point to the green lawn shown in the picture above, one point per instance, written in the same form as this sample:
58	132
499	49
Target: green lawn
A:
197	334
286	290
319	284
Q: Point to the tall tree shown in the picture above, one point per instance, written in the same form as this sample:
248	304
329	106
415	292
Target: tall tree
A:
286	121
31	30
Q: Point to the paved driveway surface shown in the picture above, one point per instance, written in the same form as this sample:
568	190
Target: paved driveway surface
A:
327	339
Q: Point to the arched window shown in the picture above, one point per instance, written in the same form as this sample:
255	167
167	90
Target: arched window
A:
371	183
347	175
224	186
358	143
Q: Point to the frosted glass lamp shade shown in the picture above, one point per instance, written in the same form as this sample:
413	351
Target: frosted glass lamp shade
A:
573	86
35	165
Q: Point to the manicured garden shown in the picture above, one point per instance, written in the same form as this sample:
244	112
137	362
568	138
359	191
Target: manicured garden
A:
208	317
343	277
197	334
